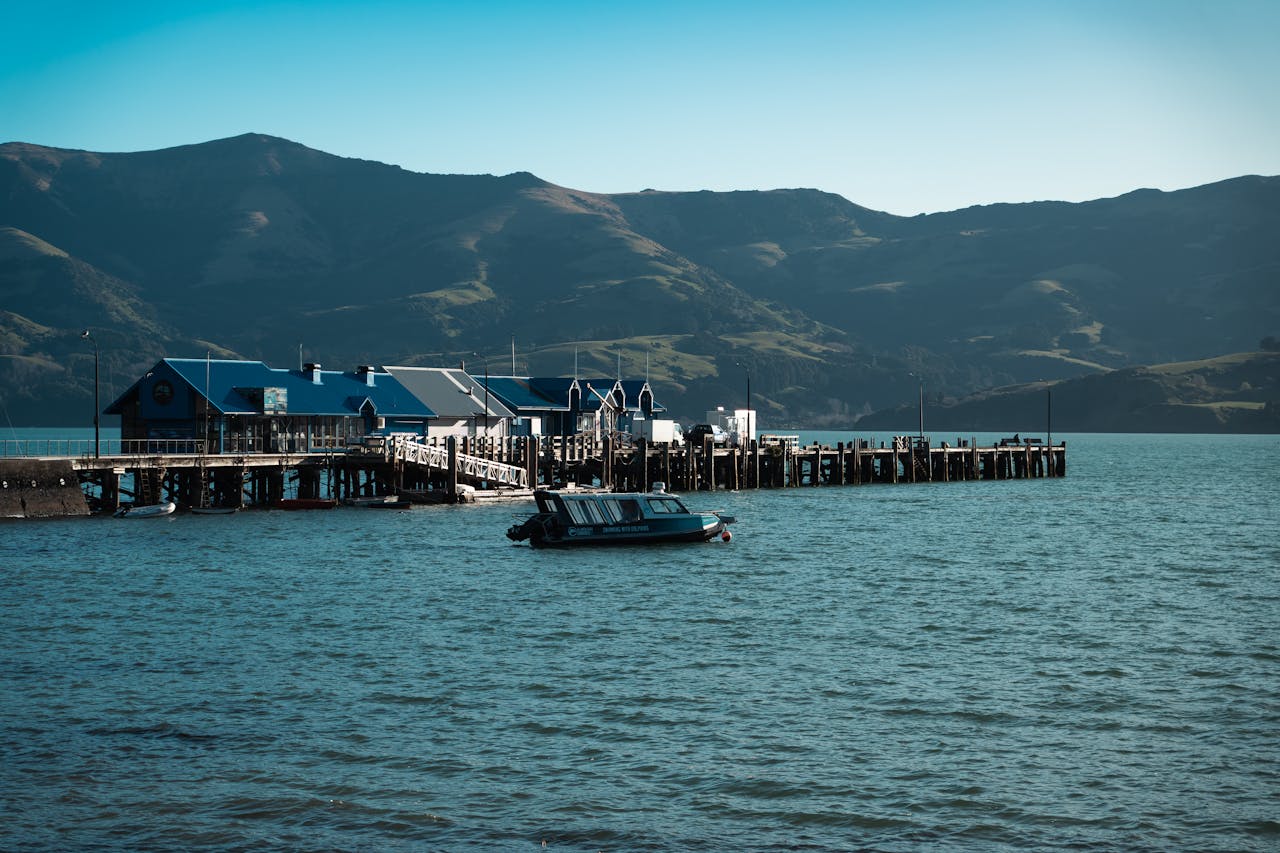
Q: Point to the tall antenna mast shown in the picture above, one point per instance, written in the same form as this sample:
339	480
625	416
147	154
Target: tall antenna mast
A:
513	355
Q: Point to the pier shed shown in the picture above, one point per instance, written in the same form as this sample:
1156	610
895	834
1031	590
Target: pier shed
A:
539	406
615	405
460	403
564	406
232	406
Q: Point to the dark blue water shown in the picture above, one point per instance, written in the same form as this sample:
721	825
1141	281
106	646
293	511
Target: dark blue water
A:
1088	663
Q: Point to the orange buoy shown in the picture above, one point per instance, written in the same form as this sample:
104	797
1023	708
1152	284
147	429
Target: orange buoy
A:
725	536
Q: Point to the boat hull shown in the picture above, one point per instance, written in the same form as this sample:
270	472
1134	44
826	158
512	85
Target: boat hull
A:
305	503
148	511
390	504
547	533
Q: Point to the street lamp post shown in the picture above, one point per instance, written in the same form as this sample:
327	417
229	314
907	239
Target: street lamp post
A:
96	440
920	383
921	411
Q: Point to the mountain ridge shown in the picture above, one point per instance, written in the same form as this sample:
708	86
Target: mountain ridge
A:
256	244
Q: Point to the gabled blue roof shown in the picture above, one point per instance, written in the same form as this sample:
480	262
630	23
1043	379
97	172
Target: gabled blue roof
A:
337	393
522	394
551	393
593	390
632	388
555	388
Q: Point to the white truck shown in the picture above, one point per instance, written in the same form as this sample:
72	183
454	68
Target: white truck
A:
658	431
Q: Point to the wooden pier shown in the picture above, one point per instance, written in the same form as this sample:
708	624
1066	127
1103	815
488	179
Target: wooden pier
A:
781	465
65	481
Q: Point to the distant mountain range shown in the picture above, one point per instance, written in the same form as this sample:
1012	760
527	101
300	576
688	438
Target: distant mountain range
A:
259	247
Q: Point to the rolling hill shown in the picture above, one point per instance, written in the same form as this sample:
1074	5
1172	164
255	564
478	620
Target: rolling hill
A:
1232	393
259	247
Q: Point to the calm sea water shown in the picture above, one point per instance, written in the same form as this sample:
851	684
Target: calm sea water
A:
1087	663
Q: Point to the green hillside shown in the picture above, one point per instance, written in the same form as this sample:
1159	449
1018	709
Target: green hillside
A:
1232	393
255	246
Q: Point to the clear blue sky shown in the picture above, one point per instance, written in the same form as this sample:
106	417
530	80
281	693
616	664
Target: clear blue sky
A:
908	106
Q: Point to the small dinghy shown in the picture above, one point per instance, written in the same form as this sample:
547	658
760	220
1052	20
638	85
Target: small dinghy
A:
305	503
146	511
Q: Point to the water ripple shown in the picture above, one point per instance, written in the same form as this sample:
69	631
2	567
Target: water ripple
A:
1078	664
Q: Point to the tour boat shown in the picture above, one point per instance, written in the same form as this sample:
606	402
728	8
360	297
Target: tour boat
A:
146	511
616	518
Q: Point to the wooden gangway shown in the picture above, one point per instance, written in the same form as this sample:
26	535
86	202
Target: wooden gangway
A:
478	469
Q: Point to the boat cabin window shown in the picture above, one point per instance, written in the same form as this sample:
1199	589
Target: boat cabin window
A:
623	510
586	512
666	505
574	508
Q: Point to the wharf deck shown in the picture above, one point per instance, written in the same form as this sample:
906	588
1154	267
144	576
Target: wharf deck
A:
462	469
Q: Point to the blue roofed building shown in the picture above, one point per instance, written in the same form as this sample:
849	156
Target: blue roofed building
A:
617	405
459	402
248	407
547	406
567	406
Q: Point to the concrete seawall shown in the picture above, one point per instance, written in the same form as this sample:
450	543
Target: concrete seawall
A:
40	488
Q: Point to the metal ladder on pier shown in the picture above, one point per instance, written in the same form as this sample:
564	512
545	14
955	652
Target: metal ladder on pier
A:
147	486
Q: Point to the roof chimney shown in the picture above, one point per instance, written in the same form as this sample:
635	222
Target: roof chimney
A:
366	370
311	370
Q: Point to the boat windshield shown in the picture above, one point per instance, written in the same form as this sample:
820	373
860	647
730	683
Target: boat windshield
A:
627	509
666	505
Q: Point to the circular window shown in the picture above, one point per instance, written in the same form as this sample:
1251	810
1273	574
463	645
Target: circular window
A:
162	392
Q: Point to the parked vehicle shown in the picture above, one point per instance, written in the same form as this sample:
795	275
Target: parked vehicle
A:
660	431
697	433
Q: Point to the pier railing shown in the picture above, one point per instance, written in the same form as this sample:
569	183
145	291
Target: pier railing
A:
31	448
472	467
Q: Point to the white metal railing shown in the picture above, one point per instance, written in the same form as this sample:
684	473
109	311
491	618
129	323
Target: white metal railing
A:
474	467
769	439
87	447
124	447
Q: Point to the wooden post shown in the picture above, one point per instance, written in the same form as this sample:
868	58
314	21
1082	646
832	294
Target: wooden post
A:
451	477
